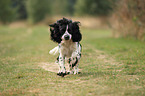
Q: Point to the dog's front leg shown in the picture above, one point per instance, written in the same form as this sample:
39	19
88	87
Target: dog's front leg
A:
61	63
62	70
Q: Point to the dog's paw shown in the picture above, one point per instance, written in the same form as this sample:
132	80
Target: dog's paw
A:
62	74
79	72
70	72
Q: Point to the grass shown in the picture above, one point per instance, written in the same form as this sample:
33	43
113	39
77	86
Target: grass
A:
112	67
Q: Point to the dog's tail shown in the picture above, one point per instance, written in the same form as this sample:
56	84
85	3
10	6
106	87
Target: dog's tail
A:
54	51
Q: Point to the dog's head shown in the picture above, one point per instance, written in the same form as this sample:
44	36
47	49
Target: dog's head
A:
65	29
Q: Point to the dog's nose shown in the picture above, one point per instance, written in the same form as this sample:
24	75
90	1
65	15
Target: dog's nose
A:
66	37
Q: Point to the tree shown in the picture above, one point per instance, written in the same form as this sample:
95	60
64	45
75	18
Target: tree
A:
63	7
93	7
7	13
20	7
37	9
130	19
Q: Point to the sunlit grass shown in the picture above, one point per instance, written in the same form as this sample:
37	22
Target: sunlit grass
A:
118	69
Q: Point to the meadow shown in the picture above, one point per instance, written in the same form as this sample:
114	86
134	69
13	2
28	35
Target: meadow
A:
109	66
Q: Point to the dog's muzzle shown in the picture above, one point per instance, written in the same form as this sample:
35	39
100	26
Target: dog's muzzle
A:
66	37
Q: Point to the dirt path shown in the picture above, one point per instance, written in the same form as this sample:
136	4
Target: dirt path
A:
52	67
106	58
100	55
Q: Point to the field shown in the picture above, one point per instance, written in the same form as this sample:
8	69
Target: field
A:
109	66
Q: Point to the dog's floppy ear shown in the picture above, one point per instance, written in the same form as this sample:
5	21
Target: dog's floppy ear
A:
54	32
53	25
77	36
77	23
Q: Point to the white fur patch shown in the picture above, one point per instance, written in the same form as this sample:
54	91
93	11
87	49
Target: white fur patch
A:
66	33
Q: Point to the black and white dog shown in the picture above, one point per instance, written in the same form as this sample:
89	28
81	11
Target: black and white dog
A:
67	34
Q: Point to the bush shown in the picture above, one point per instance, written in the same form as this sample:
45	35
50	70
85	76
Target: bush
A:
62	7
93	7
130	20
37	10
21	9
7	13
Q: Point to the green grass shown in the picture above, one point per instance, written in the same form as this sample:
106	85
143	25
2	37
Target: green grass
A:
118	69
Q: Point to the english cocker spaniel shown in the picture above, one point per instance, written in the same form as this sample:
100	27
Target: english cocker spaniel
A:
67	34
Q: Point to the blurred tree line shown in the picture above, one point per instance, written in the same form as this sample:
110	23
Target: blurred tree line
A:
129	19
36	10
128	16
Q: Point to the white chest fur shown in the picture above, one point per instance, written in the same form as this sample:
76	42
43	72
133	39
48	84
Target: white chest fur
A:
68	48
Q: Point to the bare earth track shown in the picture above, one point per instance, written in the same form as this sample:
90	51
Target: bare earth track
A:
53	67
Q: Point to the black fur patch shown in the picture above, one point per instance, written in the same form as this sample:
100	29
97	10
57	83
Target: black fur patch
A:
57	59
69	60
62	74
75	62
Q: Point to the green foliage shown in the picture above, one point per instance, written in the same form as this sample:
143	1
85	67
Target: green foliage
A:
59	7
37	10
62	7
93	7
7	13
130	17
21	9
